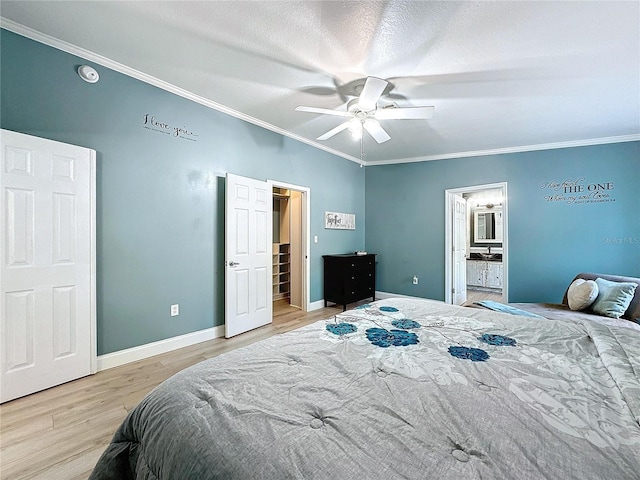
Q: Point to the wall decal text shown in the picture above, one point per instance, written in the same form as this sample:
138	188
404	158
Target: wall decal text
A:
578	191
150	122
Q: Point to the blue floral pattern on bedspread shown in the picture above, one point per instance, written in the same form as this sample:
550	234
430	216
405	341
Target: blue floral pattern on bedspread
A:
385	338
342	328
405	324
385	308
435	344
493	339
473	354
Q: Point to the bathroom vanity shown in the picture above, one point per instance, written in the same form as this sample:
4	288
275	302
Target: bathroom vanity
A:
485	270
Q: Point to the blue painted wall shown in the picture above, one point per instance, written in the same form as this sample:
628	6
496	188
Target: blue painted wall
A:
160	198
550	240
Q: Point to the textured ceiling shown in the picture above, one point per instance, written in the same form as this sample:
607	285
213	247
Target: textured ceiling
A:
503	76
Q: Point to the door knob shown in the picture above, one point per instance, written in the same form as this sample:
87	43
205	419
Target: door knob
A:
233	264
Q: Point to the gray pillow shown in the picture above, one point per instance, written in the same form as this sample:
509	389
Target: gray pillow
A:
613	297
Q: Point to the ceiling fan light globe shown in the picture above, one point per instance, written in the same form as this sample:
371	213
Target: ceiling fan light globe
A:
355	128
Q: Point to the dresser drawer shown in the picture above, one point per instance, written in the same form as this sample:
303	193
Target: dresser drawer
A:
360	265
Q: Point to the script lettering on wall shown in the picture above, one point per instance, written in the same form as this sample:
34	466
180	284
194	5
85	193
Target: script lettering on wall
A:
578	191
151	122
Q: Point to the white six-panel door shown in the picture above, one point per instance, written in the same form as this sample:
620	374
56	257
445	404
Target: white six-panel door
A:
459	271
248	254
47	273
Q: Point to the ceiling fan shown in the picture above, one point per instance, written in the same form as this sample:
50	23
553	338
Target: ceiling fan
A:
364	112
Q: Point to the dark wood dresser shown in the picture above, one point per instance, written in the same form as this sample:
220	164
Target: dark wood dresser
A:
349	278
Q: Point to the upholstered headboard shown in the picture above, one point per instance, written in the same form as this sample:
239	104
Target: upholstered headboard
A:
633	312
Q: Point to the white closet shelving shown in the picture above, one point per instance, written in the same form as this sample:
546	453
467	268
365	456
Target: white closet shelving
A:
281	245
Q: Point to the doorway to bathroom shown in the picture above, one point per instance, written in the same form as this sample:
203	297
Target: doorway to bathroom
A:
476	244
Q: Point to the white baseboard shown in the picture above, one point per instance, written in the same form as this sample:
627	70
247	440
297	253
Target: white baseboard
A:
116	359
134	354
384	295
316	305
379	296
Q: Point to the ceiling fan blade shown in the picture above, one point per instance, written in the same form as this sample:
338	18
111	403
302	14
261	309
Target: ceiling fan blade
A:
373	88
406	113
333	131
376	131
325	111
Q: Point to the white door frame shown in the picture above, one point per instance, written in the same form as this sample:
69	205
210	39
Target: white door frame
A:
448	236
306	235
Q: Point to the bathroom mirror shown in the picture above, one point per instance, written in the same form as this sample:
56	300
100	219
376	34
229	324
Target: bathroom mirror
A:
487	226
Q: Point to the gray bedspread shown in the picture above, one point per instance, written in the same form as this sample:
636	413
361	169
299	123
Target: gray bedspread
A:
399	389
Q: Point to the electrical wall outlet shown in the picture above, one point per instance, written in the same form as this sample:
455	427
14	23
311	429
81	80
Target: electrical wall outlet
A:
415	279
175	310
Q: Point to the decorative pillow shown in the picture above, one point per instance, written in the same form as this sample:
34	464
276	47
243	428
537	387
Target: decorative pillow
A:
582	293
613	297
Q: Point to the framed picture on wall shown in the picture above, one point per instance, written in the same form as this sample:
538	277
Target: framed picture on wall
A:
340	221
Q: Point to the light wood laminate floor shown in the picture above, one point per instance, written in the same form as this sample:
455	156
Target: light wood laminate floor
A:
477	295
59	433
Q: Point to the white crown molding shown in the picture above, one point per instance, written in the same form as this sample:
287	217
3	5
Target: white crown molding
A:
520	149
143	77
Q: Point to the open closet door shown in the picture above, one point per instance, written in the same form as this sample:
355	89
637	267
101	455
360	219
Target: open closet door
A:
248	254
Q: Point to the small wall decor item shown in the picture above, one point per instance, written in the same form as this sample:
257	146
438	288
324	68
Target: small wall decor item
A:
340	221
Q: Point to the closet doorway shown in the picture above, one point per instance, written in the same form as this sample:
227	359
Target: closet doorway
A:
476	244
290	269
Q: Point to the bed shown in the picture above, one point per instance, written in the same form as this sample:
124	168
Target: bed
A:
398	389
561	311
